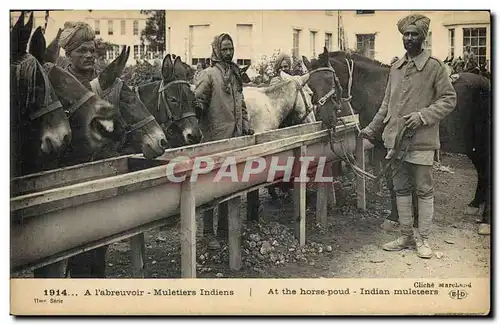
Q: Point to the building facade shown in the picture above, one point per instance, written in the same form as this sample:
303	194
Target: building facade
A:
257	33
254	32
450	31
119	27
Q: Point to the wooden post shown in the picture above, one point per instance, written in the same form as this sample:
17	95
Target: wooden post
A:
299	195
360	160
322	198
437	156
54	270
234	220
138	255
188	230
253	206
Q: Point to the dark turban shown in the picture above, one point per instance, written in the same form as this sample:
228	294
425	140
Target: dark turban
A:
75	34
420	21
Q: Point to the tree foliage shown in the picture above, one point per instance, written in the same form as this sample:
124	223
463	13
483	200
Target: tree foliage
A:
154	32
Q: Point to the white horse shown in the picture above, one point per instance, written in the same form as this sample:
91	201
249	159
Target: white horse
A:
269	106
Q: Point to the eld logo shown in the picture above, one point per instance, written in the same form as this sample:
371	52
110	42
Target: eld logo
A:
458	294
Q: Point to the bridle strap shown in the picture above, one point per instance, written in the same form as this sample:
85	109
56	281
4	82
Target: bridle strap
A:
140	124
161	98
46	110
76	105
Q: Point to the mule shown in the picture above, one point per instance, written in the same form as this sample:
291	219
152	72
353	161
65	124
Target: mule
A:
173	104
268	107
39	126
466	130
90	117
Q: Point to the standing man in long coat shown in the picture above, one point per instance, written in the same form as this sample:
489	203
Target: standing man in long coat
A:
418	95
219	90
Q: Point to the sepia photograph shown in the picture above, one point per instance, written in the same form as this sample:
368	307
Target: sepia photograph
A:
250	162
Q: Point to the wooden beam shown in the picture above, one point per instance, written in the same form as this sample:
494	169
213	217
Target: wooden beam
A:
234	220
188	230
138	255
299	195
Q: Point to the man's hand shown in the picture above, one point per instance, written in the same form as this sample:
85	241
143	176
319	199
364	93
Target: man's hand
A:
413	121
367	133
248	132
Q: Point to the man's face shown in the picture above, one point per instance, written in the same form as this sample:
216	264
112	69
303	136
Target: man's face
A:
227	50
285	67
412	39
83	57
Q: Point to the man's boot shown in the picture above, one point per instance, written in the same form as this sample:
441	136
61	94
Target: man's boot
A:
405	221
425	214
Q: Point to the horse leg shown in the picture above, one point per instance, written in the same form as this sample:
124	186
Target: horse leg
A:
208	229
473	207
222	221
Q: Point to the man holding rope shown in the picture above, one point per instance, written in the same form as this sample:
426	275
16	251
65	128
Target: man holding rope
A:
418	96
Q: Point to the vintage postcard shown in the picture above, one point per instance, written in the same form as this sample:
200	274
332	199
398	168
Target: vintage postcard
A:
250	162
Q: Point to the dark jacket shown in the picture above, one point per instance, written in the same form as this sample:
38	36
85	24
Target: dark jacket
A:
224	113
421	85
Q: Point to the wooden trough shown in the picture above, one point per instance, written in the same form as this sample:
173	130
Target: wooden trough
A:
61	213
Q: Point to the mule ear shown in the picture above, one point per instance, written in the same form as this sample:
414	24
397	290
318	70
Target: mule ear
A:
114	70
285	75
167	67
37	45
304	79
306	62
179	69
325	51
24	33
52	51
244	69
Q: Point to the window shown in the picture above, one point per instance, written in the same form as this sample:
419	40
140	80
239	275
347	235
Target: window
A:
117	51
97	25
428	42
136	27
328	41
365	44
365	12
451	37
195	61
136	52
296	45
123	27
110	27
313	43
243	44
476	39
244	62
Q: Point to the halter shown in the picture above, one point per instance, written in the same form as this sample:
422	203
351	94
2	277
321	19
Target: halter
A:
50	106
300	91
162	99
76	105
114	94
403	138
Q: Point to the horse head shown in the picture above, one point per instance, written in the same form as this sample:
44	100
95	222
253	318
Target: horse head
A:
325	87
90	118
136	126
303	109
176	104
40	126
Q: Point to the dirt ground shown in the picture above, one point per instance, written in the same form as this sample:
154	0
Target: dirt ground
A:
350	247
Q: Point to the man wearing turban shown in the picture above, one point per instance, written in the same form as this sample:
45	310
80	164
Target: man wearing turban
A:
219	91
418	96
78	41
283	63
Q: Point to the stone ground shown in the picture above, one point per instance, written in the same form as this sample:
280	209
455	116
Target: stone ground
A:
350	247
